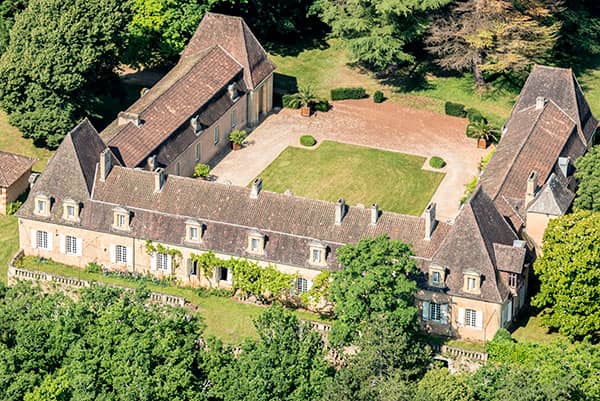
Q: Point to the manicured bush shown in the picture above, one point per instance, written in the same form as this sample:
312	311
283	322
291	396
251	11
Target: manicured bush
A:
437	162
238	136
290	102
475	115
348	93
201	170
322	105
455	109
378	97
308	140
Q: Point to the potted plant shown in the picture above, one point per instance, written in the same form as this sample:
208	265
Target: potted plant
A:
201	170
483	132
237	138
305	99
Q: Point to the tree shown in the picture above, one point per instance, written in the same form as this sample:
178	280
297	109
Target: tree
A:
588	175
377	33
579	38
374	279
494	38
441	385
9	9
58	53
569	274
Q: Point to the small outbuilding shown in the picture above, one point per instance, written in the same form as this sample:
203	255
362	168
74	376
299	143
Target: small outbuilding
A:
15	171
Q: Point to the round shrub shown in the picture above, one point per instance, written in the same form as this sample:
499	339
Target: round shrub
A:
378	97
322	105
455	109
437	162
308	140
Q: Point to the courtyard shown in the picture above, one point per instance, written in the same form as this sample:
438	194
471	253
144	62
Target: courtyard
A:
387	126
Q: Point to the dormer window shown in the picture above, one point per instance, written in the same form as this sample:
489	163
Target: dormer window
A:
121	219
196	125
472	283
42	205
71	210
318	254
256	242
193	231
437	276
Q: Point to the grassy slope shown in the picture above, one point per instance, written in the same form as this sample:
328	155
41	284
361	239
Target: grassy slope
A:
12	141
9	243
335	170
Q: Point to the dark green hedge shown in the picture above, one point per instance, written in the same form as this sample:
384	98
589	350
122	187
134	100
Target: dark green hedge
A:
378	97
308	140
455	109
348	93
288	102
322	105
437	162
475	115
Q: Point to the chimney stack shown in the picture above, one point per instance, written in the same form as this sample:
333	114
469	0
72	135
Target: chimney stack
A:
374	213
105	163
256	188
563	164
125	117
430	220
531	187
159	179
540	101
340	211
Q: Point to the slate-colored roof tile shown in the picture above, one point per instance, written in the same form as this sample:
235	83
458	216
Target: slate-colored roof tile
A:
12	167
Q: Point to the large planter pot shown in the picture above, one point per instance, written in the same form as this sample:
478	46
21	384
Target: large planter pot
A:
482	143
236	146
305	111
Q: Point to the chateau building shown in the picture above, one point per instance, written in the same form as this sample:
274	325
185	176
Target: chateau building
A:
103	196
15	171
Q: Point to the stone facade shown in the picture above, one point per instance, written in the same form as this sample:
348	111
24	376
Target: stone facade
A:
12	193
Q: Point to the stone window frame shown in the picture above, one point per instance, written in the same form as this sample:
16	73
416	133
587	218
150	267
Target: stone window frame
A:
316	246
476	277
255	235
42	199
442	276
234	119
216	134
513	280
121	254
193	224
68	203
118	214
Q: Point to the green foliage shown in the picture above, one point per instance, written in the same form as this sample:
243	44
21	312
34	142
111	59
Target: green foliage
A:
378	97
238	136
290	102
201	170
59	52
470	187
441	385
9	9
588	175
437	162
579	39
482	129
455	109
377	33
475	115
13	207
94	267
348	93
319	292
175	254
305	97
308	140
374	280
569	275
322	105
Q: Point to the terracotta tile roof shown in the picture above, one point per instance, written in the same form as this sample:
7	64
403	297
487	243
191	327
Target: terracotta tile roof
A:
12	167
171	103
233	35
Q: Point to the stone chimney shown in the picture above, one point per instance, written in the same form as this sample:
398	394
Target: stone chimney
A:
540	101
564	164
256	188
196	125
105	163
159	179
127	117
233	92
152	163
374	213
340	211
531	187
430	221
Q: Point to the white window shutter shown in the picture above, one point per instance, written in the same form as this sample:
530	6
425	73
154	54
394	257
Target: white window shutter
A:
461	316
309	284
113	253
479	319
229	278
63	248
426	310
129	256
444	313
153	261
510	310
169	264
50	240
33	239
79	246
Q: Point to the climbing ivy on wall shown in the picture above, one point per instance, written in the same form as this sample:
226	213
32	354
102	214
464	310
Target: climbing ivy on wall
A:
159	248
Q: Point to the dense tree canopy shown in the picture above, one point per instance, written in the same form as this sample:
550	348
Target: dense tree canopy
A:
8	10
59	52
569	274
588	175
375	279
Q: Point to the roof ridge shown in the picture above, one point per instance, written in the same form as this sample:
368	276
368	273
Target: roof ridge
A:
245	47
82	176
573	81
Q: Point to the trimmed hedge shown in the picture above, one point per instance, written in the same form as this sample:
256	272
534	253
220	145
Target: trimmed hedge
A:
455	109
437	162
378	97
289	102
308	140
475	115
322	105
348	93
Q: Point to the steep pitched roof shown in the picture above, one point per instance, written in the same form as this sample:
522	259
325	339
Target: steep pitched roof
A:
162	110
12	167
554	198
235	37
469	246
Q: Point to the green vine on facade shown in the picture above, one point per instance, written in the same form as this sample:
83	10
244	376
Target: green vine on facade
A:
175	254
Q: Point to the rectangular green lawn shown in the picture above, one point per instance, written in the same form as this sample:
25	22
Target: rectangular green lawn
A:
358	174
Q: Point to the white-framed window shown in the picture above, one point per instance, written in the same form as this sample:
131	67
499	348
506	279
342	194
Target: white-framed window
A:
436	277
121	254
194	236
121	220
470	318
233	118
42	240
216	135
316	256
471	283
302	285
42	205
192	267
513	280
435	312
197	152
224	274
256	243
71	245
70	211
163	261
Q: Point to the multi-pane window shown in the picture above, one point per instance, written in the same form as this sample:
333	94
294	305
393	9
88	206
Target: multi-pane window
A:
121	220
121	254
436	277
41	206
233	118
316	256
301	285
70	211
216	135
470	318
41	239
471	283
513	280
194	233
71	245
197	152
162	261
435	312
